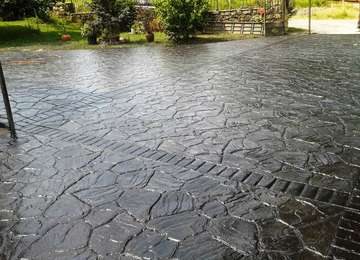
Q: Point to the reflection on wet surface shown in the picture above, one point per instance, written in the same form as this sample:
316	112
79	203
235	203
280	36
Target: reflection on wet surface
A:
237	150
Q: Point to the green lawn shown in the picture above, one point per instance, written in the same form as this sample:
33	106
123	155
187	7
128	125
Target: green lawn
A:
322	9
314	3
30	35
233	4
200	38
331	11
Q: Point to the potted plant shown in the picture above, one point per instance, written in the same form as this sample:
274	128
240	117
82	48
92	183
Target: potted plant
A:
261	11
61	24
66	37
150	37
90	31
146	15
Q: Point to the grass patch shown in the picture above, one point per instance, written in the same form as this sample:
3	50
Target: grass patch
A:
30	32
222	37
333	11
293	30
314	3
33	35
232	4
160	38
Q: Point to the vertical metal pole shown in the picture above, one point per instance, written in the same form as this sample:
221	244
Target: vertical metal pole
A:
284	15
7	103
309	16
265	18
359	16
217	5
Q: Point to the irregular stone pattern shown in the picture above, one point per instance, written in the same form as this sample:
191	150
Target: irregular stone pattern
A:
236	150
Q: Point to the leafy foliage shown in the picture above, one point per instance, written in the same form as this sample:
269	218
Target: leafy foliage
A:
113	16
181	18
19	9
91	29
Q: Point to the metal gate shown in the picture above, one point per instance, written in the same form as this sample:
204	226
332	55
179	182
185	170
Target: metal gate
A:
246	16
11	124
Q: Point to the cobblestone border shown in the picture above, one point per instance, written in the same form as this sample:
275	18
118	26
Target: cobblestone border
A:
253	179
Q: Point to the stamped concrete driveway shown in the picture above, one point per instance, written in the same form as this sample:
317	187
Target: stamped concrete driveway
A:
238	150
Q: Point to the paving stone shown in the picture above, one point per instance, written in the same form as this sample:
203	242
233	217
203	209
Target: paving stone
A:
205	186
172	202
275	238
67	207
138	202
198	248
151	245
62	237
112	237
179	226
187	174
319	235
237	233
133	179
31	207
27	227
214	209
242	204
128	165
99	196
100	216
163	181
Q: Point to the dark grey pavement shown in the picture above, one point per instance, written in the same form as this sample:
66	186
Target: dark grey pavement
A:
237	150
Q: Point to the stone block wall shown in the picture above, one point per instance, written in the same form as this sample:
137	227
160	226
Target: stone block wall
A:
249	18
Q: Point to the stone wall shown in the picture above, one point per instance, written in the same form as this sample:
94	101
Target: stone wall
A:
247	20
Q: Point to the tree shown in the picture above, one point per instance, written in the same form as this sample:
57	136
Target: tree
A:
19	9
181	18
114	16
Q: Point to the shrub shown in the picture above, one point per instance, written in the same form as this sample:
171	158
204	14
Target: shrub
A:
90	29
181	18
113	16
145	16
81	5
19	9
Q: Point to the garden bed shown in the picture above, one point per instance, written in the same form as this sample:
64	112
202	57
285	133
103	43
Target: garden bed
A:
29	35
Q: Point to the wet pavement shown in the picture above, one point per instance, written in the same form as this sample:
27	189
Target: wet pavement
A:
237	150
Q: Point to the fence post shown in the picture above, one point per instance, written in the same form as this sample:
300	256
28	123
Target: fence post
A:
359	16
265	18
284	14
309	16
7	103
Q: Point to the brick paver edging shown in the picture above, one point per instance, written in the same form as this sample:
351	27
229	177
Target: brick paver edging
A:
253	179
